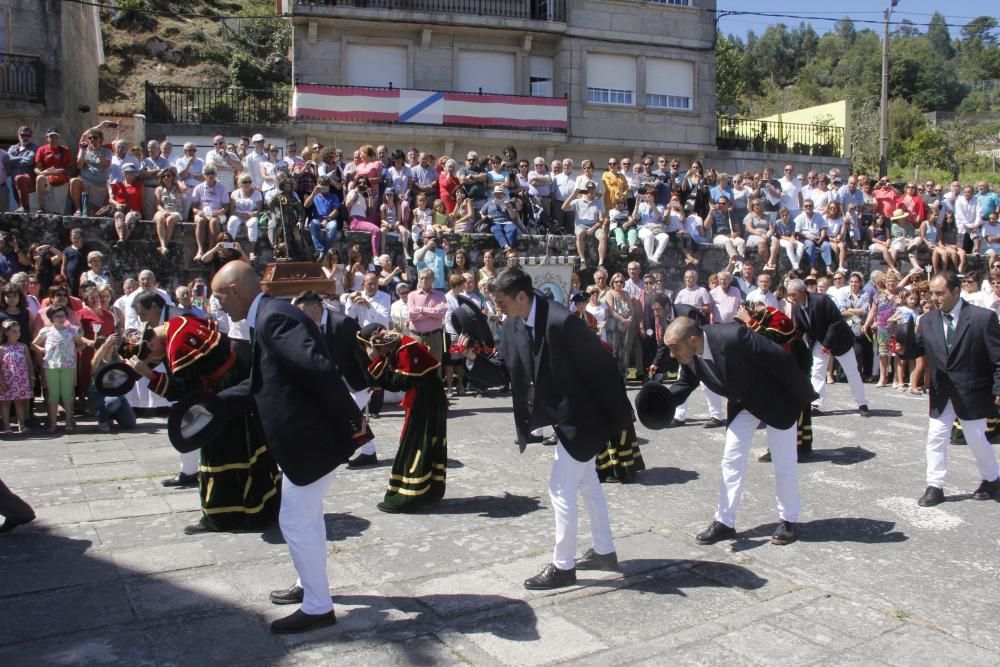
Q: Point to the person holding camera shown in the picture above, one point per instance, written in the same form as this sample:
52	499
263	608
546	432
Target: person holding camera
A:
360	200
323	208
503	218
591	220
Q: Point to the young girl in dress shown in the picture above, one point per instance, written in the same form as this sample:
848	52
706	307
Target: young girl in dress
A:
906	312
423	219
58	344
17	377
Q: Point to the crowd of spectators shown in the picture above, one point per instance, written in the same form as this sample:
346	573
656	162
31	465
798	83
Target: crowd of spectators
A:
239	194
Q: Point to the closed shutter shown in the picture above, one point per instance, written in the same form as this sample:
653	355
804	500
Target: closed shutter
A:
492	71
611	79
377	66
669	84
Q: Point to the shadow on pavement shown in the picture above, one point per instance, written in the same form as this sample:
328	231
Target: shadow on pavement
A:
338	527
843	529
645	575
839	456
665	476
494	507
465	412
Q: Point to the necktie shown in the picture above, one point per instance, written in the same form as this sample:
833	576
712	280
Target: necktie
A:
253	337
949	329
532	339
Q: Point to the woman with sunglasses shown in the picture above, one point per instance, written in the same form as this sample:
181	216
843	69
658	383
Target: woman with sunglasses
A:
361	200
89	190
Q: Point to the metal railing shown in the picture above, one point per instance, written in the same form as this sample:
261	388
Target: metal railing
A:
531	10
216	106
22	78
770	136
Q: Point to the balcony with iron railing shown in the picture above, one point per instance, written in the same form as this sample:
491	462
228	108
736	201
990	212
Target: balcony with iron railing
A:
540	11
188	105
22	78
770	136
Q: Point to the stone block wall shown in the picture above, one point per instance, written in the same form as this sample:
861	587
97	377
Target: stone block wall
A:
140	251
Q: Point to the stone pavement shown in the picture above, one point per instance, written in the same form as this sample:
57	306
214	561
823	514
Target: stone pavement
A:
105	574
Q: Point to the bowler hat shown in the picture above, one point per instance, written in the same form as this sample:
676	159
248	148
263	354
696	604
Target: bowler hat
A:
469	319
655	405
195	420
115	379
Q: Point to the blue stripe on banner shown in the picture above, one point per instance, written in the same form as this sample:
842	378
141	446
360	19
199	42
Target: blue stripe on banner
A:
410	113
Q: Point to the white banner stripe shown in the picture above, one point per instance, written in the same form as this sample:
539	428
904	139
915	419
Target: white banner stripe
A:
347	103
518	111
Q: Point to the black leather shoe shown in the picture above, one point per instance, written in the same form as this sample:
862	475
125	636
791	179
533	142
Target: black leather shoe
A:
363	461
595	561
932	496
987	490
291	595
864	411
816	412
786	533
676	423
765	457
551	441
714	422
181	480
302	622
716	532
551	577
531	439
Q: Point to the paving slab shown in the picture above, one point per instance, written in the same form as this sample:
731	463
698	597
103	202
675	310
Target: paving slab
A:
106	576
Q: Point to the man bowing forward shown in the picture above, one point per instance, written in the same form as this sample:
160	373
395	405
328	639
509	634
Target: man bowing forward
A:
302	405
762	383
561	376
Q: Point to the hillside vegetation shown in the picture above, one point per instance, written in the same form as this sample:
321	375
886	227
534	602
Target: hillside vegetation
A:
194	43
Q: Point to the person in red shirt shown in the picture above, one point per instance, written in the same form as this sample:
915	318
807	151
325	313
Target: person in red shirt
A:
885	198
127	198
52	163
913	203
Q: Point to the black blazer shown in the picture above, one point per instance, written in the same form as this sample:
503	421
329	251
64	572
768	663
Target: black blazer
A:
968	376
827	325
756	374
570	382
297	395
341	337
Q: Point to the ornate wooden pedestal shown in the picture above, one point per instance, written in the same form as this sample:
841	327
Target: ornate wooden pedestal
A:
286	279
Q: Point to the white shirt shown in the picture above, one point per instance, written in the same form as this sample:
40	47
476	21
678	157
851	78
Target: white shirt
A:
197	165
374	309
251	164
789	194
965	213
132	320
564	186
809	226
757	295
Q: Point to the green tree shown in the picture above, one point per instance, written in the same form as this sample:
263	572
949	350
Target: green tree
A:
729	81
940	38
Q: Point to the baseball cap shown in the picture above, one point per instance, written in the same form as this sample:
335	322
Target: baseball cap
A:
500	189
49	132
473	155
128	167
256	138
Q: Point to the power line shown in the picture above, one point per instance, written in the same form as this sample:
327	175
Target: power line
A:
811	17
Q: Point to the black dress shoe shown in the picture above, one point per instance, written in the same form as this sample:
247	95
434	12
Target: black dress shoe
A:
595	561
932	496
765	457
551	441
714	422
10	524
363	461
551	577
291	595
864	411
816	412
716	532
300	621
786	533
987	490
181	480
530	439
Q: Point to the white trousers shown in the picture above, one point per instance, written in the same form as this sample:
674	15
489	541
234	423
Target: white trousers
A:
570	476
304	530
781	442
794	249
361	399
654	243
233	227
190	461
849	363
938	437
714	406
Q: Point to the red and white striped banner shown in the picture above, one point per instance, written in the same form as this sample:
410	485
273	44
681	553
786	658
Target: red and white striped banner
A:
355	104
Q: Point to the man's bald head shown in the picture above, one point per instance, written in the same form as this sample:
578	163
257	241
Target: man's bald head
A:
683	339
236	285
683	328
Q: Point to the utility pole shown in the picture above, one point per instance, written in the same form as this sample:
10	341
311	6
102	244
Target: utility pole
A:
883	139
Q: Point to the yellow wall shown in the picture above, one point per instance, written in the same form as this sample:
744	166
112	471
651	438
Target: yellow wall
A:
837	113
